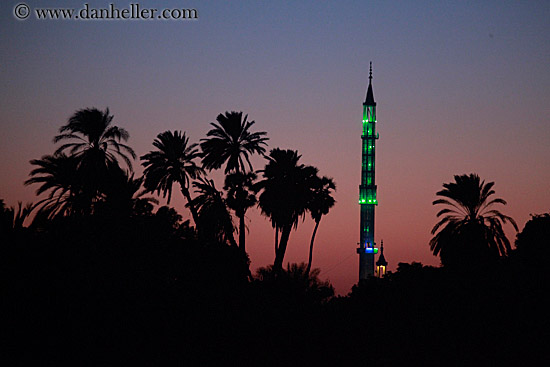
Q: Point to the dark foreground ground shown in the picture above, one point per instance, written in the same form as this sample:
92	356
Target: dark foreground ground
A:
155	302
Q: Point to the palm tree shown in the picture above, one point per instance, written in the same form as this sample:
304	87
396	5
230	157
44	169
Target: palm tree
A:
286	192
97	142
240	197
12	219
124	195
215	219
173	162
296	283
472	230
320	204
97	145
230	142
58	175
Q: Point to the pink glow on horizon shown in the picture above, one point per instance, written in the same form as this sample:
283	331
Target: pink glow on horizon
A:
450	100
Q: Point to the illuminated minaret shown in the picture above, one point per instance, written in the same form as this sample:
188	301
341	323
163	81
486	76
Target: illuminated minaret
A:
381	264
367	189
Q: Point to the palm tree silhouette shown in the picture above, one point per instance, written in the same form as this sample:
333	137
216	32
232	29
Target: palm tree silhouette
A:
320	204
97	142
472	230
230	142
215	219
97	145
295	281
172	162
123	194
240	197
58	174
12	218
286	192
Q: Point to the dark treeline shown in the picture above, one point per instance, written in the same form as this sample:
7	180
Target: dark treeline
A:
97	273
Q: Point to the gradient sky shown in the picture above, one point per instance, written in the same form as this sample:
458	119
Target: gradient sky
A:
460	86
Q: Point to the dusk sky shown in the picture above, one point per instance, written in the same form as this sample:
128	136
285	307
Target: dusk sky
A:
460	87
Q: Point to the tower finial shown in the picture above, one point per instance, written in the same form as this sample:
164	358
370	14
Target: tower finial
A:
370	72
369	100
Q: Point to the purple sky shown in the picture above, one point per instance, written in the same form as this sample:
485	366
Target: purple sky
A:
460	87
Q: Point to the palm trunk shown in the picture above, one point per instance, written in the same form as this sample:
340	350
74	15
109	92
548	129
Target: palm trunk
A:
242	238
285	235
242	234
276	239
311	246
192	208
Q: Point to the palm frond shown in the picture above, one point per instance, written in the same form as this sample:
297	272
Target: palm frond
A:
466	220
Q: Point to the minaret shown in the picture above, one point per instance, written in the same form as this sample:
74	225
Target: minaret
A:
367	189
381	264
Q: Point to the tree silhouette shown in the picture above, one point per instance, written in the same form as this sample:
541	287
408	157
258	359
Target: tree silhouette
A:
214	219
230	142
532	241
98	144
295	284
472	231
172	162
123	195
13	218
58	174
286	192
320	204
240	197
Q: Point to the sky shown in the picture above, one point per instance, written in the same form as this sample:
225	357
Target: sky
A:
461	87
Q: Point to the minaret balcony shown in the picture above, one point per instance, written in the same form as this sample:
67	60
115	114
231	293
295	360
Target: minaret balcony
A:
367	250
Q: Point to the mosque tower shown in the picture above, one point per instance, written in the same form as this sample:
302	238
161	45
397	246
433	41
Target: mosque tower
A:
367	189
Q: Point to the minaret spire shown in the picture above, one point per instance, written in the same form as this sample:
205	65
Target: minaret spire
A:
369	100
370	73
